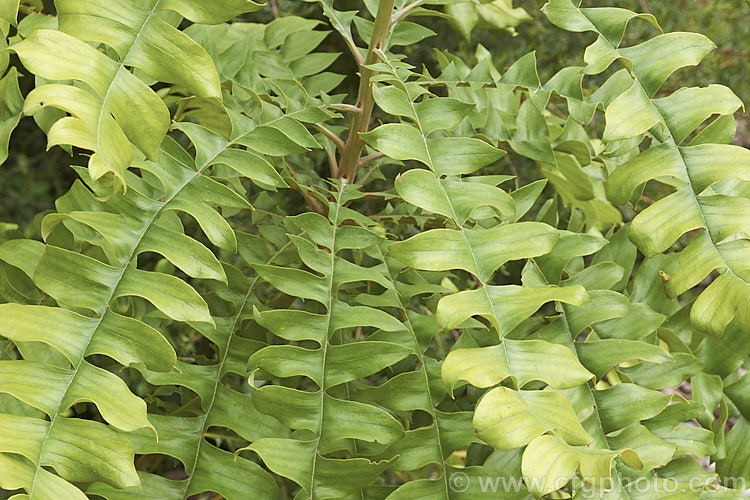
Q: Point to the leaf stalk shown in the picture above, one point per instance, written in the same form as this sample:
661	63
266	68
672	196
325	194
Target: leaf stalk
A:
349	163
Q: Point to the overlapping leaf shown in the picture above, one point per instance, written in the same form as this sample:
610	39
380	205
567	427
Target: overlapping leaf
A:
326	422
87	290
317	360
111	110
689	168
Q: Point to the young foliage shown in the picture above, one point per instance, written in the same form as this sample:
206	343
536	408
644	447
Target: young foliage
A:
273	281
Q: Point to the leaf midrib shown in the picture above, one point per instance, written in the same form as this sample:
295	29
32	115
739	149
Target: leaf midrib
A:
220	367
421	359
460	229
331	293
674	145
133	255
120	68
589	384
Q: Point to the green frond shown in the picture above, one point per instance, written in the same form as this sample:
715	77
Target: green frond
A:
418	386
689	168
116	110
89	291
365	275
329	422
